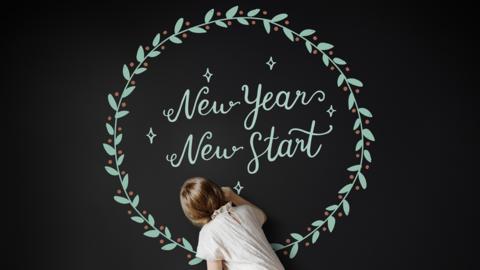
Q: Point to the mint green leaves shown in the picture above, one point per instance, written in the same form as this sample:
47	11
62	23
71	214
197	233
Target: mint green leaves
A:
368	134
323	46
152	233
289	34
121	200
156	40
178	26
209	15
307	32
126	73
195	261
266	25
293	251
253	12
331	223
140	54
276	246
279	17
198	30
111	171
231	12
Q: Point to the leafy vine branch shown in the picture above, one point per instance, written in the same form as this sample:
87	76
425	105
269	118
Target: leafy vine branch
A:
231	15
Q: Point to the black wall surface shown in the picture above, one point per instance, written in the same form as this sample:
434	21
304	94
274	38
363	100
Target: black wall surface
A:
418	63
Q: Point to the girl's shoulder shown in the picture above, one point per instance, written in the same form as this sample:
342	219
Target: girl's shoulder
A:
253	212
210	226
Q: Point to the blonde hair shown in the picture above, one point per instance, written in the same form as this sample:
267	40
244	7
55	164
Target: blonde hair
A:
199	198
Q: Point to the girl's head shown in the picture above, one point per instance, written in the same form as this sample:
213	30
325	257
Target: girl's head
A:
199	198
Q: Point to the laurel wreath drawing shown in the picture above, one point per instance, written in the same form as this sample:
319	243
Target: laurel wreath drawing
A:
213	18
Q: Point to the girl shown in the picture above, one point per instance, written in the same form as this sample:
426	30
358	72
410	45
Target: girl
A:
231	235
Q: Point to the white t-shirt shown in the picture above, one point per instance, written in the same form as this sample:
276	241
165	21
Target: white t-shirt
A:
242	246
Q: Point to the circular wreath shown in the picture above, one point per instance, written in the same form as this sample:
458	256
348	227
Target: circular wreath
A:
214	18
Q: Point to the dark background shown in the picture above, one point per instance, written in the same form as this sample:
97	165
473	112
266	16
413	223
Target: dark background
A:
62	59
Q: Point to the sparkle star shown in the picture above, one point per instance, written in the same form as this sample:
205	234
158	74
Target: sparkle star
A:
208	75
331	110
271	63
151	135
238	187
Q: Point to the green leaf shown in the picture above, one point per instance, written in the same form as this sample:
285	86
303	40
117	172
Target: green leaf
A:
140	70
318	223
325	60
296	236
365	112
315	236
288	33
135	201
359	145
137	219
253	12
368	134
276	246
339	61
109	149
127	91
357	123
151	220
120	159
140	54
307	32
156	40
293	251
221	24
355	82
351	101
198	30
153	54
167	233
266	25
169	246
111	171
367	155
340	80
109	128
195	261
231	12
178	26
125	181
323	46
126	72
279	17
345	188
175	40
242	21
346	207
331	207
209	15
121	200
363	180
354	168
118	139
187	244
152	233
309	46
331	223
112	102
121	114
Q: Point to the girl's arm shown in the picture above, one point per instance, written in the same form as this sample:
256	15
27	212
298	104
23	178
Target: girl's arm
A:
214	265
237	200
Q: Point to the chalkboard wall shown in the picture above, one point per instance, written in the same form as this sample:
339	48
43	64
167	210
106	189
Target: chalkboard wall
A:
415	72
